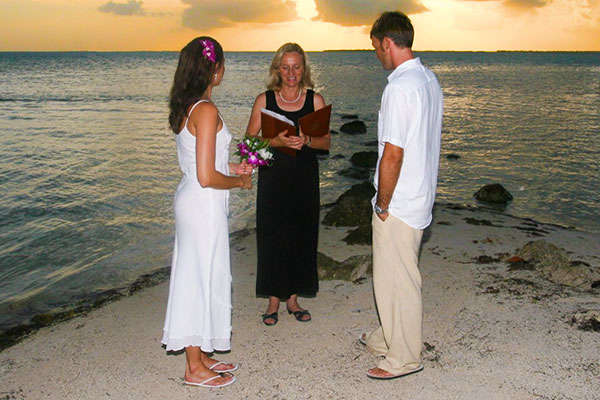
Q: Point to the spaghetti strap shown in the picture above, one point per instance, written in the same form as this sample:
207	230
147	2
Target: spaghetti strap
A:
187	117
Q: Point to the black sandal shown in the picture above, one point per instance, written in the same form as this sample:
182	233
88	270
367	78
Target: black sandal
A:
299	314
272	316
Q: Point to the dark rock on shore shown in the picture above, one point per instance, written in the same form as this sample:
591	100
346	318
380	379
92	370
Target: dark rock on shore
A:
354	269
554	264
353	207
493	193
361	235
354	127
325	263
364	159
452	156
349	116
371	143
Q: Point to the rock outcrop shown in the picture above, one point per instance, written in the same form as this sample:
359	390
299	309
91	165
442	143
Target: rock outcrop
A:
354	269
554	264
353	207
493	193
354	127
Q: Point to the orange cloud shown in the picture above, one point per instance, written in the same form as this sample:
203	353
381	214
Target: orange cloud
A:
527	4
519	4
362	12
209	14
132	7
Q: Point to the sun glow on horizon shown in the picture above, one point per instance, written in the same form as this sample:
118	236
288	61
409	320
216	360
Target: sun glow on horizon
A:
263	25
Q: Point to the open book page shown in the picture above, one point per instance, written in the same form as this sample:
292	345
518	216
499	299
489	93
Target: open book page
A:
276	115
272	124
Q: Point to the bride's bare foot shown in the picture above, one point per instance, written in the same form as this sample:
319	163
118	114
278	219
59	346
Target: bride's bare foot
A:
207	378
198	374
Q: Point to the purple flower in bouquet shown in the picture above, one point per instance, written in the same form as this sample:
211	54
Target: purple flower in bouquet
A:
252	158
242	148
255	151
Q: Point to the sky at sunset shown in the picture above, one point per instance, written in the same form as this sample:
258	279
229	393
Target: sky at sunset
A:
249	25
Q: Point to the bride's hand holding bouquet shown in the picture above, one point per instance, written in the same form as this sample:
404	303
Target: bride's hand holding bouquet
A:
244	171
243	168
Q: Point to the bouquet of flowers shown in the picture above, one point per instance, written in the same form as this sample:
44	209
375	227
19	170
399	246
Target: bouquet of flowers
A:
255	151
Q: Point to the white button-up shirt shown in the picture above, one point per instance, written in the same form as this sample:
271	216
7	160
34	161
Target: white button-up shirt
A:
410	117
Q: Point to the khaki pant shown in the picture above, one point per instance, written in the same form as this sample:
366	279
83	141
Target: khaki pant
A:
397	286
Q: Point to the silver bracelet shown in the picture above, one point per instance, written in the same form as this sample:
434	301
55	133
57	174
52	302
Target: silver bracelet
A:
379	210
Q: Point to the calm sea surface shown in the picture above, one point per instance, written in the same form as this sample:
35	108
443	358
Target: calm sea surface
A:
88	166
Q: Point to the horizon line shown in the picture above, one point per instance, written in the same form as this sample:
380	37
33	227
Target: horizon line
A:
308	51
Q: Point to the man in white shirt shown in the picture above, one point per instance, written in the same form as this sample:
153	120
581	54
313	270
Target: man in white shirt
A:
409	135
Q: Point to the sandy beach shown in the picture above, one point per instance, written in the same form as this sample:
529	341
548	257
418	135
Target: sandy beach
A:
490	331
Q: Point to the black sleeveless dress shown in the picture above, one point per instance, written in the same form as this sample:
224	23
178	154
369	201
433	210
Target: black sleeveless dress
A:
287	217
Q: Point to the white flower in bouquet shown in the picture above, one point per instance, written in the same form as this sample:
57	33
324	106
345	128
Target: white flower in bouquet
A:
265	154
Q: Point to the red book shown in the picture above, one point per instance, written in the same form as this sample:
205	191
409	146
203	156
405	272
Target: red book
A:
315	124
271	124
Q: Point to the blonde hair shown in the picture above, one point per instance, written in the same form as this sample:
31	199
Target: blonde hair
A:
274	81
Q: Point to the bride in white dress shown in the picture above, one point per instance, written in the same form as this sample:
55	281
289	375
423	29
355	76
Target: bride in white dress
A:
198	317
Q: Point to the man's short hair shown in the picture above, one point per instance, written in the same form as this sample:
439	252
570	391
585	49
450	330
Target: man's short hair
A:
397	26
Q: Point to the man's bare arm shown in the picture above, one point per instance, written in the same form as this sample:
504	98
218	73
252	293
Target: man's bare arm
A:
389	172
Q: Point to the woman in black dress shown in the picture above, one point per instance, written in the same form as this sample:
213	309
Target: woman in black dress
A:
287	214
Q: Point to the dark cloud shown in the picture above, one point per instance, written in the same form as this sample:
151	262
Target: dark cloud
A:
132	7
520	4
527	3
362	12
208	14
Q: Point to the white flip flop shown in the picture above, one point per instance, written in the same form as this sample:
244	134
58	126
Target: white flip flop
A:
204	383
212	367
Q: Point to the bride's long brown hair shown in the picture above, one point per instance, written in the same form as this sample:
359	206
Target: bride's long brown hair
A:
193	75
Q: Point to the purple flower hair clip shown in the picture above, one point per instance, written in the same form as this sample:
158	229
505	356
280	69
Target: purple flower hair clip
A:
208	50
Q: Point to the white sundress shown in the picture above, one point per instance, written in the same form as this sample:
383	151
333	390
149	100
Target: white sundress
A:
199	305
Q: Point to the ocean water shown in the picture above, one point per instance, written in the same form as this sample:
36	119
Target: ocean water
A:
88	165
